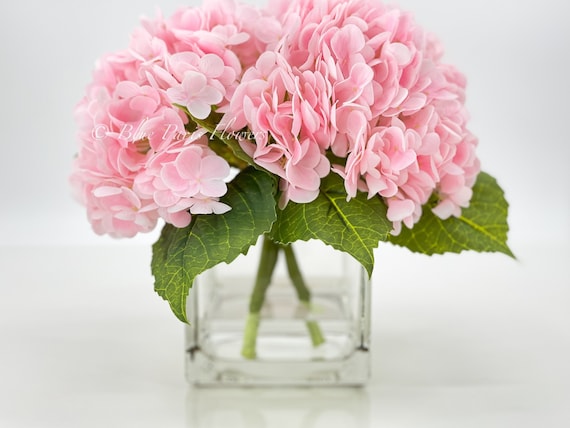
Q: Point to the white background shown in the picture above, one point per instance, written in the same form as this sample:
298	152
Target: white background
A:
460	341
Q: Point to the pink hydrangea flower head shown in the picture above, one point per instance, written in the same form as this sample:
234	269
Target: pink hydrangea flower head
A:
285	118
394	111
187	176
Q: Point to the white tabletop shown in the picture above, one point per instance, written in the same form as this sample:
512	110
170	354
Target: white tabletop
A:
458	341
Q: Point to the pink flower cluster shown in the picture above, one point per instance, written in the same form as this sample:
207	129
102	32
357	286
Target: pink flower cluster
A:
362	81
137	162
351	87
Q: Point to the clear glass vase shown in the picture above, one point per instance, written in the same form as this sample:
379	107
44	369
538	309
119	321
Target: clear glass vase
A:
286	350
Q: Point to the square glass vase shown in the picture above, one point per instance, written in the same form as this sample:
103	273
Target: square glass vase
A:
286	354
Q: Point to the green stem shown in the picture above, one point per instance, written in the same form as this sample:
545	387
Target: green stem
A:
315	332
303	293
267	262
250	336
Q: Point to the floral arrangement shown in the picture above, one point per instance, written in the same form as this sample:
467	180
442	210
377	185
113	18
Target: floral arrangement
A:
334	120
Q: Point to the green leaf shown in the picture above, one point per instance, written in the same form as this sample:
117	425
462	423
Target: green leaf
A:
482	226
180	254
354	227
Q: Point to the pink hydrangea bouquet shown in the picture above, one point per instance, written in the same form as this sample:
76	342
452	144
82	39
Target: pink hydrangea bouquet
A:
334	120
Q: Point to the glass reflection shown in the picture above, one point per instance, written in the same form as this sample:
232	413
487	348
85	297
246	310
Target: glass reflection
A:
269	407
